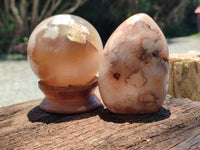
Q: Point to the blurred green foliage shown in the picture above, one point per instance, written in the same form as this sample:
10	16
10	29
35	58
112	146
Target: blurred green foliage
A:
12	57
106	15
197	35
6	33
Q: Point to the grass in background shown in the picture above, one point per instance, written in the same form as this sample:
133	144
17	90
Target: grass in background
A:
13	57
197	35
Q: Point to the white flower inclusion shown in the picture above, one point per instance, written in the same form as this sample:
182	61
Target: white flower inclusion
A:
63	20
51	32
77	33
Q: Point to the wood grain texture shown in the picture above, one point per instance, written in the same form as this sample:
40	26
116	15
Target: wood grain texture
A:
176	126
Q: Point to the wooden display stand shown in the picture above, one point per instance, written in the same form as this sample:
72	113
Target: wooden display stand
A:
176	126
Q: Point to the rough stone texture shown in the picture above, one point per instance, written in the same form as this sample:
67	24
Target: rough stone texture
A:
185	76
175	126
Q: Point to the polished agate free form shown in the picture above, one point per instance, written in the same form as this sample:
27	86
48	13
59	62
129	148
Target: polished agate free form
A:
134	68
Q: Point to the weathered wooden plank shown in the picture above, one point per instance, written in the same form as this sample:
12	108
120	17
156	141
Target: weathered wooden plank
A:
175	126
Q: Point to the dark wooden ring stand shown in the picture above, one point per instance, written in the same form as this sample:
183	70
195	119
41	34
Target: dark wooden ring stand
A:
71	99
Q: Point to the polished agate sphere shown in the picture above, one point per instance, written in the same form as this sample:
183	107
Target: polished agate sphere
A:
64	50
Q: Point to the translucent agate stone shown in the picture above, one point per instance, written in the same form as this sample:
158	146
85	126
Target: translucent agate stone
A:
64	50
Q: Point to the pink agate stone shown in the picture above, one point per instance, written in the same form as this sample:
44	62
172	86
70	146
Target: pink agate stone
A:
134	67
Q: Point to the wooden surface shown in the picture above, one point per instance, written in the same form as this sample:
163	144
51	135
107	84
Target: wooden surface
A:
176	126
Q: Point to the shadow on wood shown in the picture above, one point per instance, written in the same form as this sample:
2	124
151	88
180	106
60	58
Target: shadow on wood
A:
38	115
106	115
